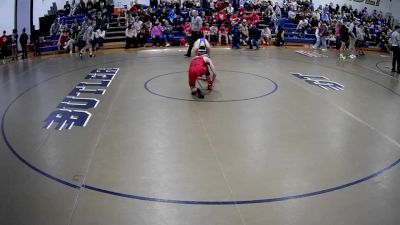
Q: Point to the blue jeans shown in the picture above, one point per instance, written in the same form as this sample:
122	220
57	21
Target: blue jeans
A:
254	42
167	38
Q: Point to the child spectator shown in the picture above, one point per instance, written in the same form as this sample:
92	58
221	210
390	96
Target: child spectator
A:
156	34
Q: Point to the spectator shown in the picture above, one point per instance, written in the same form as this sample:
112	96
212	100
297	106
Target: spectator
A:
63	27
280	37
321	34
244	30
345	41
23	40
62	41
100	34
156	34
266	35
131	35
88	37
254	36
223	32
206	32
214	34
395	41
3	46
67	9
167	33
14	46
360	40
55	29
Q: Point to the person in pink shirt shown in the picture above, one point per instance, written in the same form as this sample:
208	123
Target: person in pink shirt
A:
156	34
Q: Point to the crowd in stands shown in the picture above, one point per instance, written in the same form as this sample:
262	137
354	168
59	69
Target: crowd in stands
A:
248	23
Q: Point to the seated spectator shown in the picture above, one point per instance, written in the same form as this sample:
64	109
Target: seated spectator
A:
236	35
131	35
167	30
302	26
63	27
254	36
244	30
100	34
206	32
62	40
139	31
266	35
55	29
223	32
156	34
214	34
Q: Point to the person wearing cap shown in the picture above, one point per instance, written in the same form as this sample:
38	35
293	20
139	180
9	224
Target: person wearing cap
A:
395	41
198	67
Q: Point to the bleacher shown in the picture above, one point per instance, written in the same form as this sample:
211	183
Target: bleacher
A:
117	33
51	41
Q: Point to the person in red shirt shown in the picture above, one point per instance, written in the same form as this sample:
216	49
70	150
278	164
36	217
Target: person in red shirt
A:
223	32
221	15
199	67
233	17
3	45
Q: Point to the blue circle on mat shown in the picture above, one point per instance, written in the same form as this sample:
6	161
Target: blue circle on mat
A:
274	89
171	201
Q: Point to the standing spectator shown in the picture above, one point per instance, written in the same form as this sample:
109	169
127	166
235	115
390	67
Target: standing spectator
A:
345	41
67	9
23	40
3	46
395	40
88	37
14	46
195	27
360	40
131	35
321	34
280	37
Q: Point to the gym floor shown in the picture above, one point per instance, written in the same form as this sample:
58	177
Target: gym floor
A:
283	139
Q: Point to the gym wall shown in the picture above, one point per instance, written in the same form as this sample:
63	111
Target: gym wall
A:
7	15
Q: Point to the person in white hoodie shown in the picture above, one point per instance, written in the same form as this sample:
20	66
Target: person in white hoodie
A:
131	35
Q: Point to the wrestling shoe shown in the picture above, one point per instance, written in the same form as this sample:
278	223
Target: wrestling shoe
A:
199	94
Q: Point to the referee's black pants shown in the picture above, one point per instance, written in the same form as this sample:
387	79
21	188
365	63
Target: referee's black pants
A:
193	39
396	58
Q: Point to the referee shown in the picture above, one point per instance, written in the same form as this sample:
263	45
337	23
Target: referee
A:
195	27
396	49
